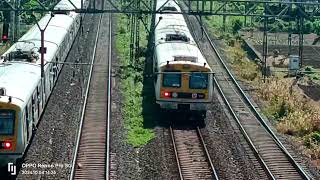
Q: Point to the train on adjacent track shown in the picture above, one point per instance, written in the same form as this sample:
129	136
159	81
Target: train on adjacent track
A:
183	78
23	92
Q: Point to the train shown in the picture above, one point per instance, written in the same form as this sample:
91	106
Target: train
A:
23	92
182	76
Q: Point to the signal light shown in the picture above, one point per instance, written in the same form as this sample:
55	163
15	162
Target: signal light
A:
166	94
4	37
5	32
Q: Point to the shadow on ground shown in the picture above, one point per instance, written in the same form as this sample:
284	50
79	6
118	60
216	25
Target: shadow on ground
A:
312	91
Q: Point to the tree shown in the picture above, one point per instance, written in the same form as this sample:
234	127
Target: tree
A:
316	27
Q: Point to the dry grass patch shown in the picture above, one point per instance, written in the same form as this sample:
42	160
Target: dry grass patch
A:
294	114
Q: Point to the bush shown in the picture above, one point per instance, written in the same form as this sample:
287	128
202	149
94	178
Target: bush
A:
313	138
308	27
309	70
295	115
245	68
131	86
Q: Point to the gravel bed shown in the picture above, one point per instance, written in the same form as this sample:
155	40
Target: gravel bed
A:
54	140
224	145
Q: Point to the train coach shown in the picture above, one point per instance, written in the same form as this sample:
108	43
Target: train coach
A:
183	78
23	93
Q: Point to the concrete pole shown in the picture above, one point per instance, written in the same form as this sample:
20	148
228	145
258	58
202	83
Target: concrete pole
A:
12	23
16	22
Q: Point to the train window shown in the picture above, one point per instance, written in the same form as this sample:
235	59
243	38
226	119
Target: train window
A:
198	81
7	122
171	79
169	8
27	113
177	37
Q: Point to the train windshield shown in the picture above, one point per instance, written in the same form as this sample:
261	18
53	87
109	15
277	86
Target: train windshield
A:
172	79
198	81
7	118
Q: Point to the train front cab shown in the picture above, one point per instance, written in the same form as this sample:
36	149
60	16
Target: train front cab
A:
185	87
10	147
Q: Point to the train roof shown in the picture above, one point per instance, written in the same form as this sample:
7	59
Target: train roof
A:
54	35
171	24
173	40
176	52
19	81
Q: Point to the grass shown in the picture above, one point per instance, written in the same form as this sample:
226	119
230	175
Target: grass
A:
4	47
131	86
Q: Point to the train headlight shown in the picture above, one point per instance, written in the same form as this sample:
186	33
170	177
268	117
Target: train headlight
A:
194	95
175	95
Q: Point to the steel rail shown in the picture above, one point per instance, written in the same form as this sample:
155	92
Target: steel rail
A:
256	113
215	174
176	152
246	136
84	103
202	145
109	99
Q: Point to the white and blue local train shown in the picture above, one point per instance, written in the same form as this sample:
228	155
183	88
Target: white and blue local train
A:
23	93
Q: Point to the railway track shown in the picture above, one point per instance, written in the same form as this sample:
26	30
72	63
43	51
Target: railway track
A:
91	157
273	157
192	156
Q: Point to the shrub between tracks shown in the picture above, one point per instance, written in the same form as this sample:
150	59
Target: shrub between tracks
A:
131	84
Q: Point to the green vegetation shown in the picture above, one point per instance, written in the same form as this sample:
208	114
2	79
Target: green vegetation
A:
131	87
310	72
225	28
244	68
29	17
